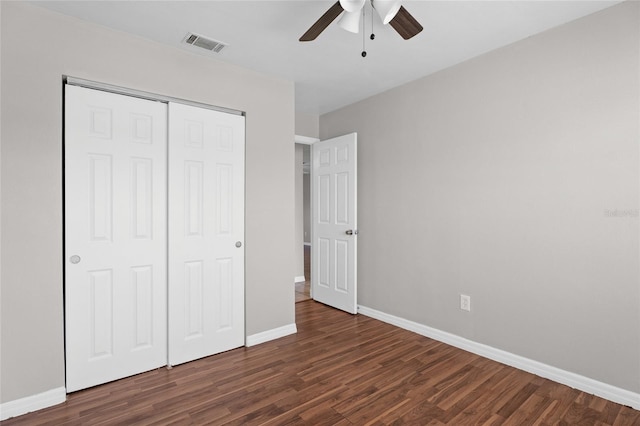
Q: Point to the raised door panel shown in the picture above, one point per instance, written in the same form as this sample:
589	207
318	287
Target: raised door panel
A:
100	197
193	297
193	193
142	288
100	324
142	198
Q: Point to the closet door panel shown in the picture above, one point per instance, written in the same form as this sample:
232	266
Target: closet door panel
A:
115	236
206	232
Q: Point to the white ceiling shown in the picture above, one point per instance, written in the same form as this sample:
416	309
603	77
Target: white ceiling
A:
330	72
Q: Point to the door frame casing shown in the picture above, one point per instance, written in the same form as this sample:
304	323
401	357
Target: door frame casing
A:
306	140
312	141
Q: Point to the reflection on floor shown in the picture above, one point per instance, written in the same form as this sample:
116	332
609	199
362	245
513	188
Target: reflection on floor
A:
303	289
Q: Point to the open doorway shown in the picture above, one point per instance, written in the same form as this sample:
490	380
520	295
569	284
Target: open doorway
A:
303	288
332	218
303	219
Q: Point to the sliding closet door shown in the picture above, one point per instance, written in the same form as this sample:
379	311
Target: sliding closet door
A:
115	236
206	232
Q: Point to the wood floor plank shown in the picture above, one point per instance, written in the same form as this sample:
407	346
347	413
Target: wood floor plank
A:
339	369
627	416
530	410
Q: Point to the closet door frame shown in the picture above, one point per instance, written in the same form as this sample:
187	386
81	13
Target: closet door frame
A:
72	81
118	90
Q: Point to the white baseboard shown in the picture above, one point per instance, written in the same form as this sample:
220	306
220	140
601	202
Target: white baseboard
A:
276	333
307	244
300	279
32	403
585	384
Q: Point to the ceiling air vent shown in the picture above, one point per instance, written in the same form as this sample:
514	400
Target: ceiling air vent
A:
204	42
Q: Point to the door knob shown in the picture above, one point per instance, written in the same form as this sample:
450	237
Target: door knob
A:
352	232
238	244
75	259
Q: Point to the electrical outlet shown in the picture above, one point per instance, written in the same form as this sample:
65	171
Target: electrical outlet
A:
465	302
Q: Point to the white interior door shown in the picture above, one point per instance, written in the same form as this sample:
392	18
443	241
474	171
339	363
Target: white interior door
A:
115	236
334	222
206	232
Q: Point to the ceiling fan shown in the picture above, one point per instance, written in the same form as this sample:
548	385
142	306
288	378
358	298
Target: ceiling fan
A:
390	11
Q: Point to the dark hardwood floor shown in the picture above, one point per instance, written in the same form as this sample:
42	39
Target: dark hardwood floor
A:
338	369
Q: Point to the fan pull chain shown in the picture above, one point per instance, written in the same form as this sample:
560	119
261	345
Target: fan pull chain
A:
373	36
364	52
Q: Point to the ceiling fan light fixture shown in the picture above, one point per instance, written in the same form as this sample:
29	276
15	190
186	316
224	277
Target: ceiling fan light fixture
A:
387	9
350	21
390	11
352	5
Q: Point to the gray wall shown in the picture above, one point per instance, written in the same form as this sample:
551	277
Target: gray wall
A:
307	125
38	47
512	178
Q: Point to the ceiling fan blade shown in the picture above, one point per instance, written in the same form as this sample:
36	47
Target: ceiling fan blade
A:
322	23
405	24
